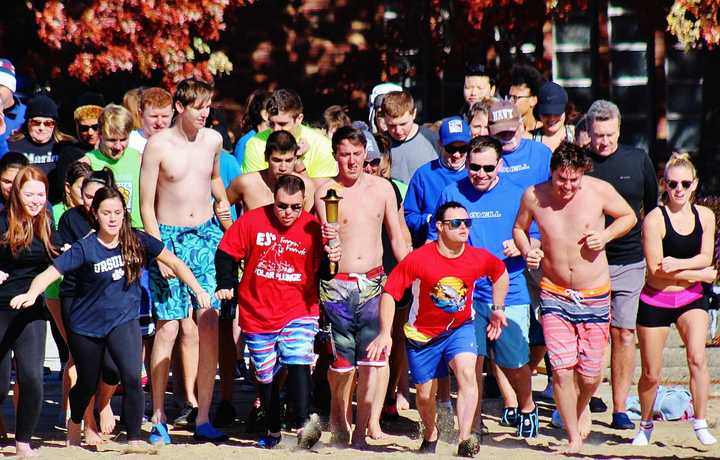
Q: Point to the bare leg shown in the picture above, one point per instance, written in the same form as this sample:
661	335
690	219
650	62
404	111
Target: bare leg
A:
103	397
520	379
425	400
652	343
463	366
398	363
537	353
160	365
74	433
622	365
207	367
372	383
90	428
477	423
443	389
510	399
572	395
189	352
341	384
693	326
377	399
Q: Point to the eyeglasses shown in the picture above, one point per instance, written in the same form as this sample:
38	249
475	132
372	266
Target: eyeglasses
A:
375	162
514	98
86	128
46	123
477	167
456	223
673	184
450	149
284	206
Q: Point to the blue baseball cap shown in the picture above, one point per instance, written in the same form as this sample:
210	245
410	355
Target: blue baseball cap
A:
454	129
552	99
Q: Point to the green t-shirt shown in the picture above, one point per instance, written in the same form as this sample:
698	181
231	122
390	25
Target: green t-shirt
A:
318	159
127	177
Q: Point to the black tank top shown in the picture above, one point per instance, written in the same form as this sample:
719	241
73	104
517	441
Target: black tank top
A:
681	246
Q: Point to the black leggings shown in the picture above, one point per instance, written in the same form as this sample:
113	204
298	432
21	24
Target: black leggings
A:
298	386
124	343
23	334
110	373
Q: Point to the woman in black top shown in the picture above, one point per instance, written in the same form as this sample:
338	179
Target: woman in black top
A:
25	250
105	312
678	242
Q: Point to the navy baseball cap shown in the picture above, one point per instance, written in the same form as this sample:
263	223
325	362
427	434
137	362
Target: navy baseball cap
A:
552	99
454	129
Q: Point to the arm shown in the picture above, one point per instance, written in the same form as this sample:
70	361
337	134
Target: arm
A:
382	344
185	275
309	201
417	221
218	188
650	185
225	267
616	207
234	190
705	257
398	243
497	319
532	255
37	287
149	174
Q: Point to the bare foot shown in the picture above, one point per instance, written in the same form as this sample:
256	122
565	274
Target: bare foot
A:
74	434
573	447
375	432
358	441
139	447
340	438
401	402
23	449
107	420
585	423
92	437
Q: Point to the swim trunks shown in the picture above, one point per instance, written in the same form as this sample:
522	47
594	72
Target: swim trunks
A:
576	325
196	247
351	302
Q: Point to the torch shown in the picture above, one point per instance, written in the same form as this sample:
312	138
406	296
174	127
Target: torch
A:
332	200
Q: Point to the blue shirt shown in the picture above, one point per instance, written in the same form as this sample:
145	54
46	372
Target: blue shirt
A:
102	299
14	119
229	170
240	145
422	196
493	213
528	164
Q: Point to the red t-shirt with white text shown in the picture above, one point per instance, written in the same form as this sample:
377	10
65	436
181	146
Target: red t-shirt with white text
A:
281	264
446	287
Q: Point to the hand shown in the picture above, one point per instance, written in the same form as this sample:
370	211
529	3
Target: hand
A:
165	271
330	231
595	241
65	247
509	249
670	264
497	322
533	258
22	301
222	210
302	148
379	348
203	299
708	275
333	250
3	277
224	294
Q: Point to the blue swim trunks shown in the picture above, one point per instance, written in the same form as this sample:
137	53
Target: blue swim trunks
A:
196	247
428	361
293	345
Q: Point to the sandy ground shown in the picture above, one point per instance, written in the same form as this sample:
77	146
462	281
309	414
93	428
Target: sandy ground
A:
671	440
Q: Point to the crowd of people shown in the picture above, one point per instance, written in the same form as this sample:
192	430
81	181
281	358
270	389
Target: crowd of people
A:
348	259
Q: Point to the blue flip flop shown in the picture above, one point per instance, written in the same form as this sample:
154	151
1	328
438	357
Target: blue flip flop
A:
159	434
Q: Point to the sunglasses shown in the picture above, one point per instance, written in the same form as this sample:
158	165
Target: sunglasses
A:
46	123
375	162
673	184
284	206
86	128
487	168
456	223
450	149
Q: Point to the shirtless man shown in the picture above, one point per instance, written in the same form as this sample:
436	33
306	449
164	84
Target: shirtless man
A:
179	176
255	189
570	211
367	203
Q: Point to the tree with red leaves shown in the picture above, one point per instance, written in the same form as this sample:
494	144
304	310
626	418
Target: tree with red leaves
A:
147	36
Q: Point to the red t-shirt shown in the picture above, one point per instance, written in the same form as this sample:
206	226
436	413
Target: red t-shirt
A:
446	287
281	265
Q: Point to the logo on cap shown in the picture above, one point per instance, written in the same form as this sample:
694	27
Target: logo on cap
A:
455	126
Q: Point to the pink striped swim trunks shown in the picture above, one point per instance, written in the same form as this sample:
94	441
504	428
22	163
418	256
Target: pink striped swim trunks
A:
576	325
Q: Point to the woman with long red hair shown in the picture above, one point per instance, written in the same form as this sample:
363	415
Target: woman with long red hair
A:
26	249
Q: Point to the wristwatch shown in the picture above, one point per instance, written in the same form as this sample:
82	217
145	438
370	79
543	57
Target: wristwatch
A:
498	307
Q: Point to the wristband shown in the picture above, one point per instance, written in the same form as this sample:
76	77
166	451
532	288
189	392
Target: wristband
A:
498	307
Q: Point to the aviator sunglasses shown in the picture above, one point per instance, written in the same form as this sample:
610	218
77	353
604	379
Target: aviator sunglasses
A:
284	206
673	184
456	223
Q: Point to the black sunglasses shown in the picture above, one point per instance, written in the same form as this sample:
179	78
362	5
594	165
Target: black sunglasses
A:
284	206
456	223
375	162
487	168
86	128
672	184
450	149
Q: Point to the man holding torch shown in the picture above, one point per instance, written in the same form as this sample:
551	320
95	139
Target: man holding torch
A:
351	298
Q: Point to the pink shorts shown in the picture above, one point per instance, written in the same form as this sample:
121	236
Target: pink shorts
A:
576	325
